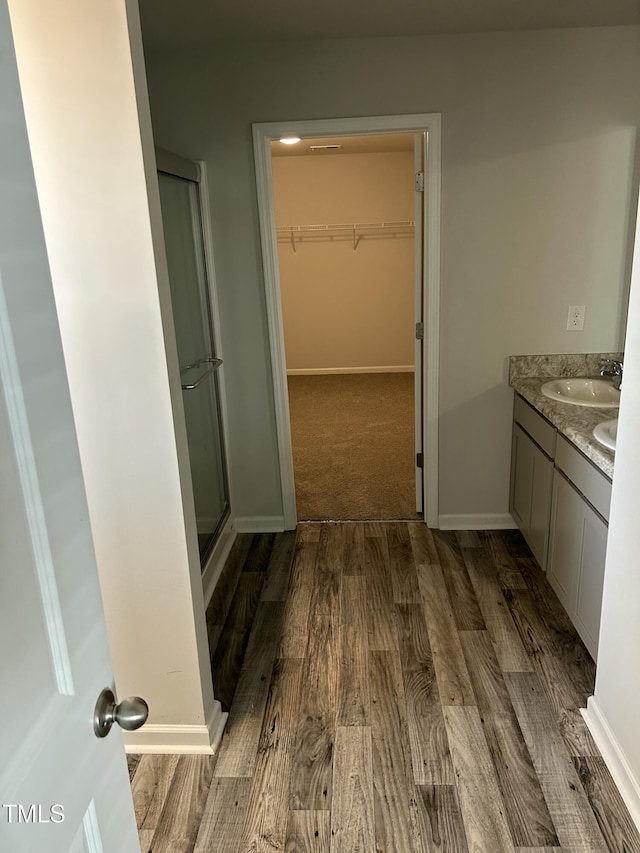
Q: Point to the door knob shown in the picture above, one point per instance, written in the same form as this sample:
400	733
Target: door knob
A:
129	714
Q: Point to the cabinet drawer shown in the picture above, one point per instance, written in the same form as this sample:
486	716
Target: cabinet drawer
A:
587	479
540	430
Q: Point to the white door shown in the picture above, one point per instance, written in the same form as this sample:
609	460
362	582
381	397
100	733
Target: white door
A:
62	790
419	219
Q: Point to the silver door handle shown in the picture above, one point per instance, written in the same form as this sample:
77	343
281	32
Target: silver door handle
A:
215	362
129	714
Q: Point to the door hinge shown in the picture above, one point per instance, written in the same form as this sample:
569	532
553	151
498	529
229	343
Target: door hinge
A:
419	331
419	460
419	182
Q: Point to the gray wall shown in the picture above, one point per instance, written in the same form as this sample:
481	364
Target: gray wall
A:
538	165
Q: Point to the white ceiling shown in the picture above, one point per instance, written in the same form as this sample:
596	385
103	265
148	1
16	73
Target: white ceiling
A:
382	143
174	22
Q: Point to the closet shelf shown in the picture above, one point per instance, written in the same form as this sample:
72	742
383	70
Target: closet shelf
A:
355	232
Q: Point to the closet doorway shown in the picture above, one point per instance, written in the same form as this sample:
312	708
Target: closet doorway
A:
346	227
345	222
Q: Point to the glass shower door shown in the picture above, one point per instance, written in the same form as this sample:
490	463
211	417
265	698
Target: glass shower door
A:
196	352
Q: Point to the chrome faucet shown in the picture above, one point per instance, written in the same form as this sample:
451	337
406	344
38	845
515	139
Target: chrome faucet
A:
612	369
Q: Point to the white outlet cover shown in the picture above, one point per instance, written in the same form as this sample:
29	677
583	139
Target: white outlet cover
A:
575	318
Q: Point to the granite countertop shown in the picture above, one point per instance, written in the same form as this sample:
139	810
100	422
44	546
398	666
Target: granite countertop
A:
576	423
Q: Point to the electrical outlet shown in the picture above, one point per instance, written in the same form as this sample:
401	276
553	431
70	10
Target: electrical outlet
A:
575	318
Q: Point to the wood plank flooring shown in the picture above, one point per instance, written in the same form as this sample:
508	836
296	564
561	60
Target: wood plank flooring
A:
394	689
257	570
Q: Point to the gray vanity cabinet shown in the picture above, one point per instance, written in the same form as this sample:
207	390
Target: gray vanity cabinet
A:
532	477
578	541
560	501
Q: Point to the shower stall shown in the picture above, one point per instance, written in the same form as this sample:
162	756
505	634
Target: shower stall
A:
179	182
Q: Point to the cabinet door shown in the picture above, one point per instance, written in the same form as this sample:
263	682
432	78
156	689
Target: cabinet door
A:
564	549
531	483
521	478
541	489
591	579
576	559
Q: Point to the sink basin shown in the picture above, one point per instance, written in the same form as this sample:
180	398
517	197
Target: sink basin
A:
598	393
607	433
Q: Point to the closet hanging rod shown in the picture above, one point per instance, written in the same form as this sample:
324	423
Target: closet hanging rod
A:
287	230
355	231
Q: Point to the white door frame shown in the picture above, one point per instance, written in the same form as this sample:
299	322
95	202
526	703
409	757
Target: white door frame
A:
263	134
419	243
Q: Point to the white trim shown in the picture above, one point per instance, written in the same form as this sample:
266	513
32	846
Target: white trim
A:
269	240
91	829
216	726
34	507
470	521
614	757
261	524
169	739
156	738
419	158
218	557
263	134
431	315
327	371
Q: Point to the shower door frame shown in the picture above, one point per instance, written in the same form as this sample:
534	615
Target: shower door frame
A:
196	171
263	134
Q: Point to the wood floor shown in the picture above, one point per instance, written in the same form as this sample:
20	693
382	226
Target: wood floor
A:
402	690
254	558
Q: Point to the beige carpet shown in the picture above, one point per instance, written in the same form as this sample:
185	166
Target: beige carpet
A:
353	445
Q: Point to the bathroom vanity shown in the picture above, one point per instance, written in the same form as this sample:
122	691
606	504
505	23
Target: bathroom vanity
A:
560	488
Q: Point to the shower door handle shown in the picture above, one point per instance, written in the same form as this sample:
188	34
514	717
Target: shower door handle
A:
215	364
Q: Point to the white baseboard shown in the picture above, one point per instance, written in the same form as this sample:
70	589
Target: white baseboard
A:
215	564
325	371
259	524
217	722
161	739
488	521
614	758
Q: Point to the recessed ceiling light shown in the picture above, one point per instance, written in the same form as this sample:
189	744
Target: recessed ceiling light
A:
290	140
